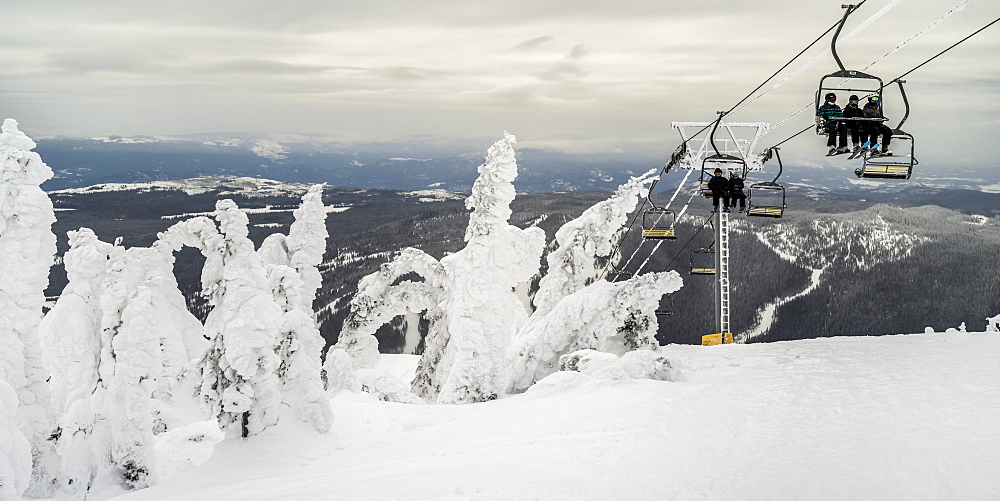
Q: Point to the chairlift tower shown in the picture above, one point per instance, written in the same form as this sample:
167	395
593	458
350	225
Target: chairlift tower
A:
737	155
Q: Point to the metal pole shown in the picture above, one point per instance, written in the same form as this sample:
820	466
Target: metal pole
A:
722	274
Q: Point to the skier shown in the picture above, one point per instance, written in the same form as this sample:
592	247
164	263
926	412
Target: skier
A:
736	191
720	189
834	128
873	109
858	128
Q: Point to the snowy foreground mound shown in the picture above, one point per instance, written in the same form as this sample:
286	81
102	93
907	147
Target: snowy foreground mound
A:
893	417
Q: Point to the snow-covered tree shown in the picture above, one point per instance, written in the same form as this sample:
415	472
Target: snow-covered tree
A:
27	250
479	311
294	279
608	317
993	324
573	264
118	339
238	371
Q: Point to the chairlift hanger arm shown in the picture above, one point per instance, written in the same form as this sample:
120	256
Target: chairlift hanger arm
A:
833	42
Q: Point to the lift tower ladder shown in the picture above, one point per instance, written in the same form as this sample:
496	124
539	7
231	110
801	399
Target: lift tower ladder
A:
722	276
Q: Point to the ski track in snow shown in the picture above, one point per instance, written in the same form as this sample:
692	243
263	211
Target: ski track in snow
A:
768	313
889	417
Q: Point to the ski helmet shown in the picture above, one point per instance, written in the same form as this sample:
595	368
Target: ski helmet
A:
831	96
718	171
854	97
873	98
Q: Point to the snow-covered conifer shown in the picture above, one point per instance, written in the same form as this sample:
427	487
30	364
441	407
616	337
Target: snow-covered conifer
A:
27	250
572	265
299	348
480	310
238	371
608	317
293	279
993	324
306	242
71	331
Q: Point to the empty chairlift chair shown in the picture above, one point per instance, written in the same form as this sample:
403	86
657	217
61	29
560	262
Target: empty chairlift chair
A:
658	223
703	261
767	199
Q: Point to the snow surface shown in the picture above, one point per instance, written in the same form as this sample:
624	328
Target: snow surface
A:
893	417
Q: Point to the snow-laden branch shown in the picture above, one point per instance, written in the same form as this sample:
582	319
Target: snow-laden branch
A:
572	265
605	316
379	299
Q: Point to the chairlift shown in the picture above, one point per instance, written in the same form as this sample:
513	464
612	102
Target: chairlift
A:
658	223
703	261
896	166
767	198
862	83
724	161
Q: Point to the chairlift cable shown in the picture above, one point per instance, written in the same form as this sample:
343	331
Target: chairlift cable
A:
946	50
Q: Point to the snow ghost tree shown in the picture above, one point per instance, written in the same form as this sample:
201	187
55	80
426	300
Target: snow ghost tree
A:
118	339
468	296
294	278
238	371
27	250
480	311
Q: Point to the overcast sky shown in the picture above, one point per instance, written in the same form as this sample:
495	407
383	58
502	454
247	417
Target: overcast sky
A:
573	75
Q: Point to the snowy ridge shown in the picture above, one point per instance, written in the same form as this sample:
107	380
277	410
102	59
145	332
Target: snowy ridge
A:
271	150
856	245
227	186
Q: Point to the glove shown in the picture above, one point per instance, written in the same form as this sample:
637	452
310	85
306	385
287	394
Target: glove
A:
820	121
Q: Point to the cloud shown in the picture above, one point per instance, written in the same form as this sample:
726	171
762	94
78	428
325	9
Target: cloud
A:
535	43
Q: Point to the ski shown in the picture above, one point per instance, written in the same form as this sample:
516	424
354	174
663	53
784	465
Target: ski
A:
859	153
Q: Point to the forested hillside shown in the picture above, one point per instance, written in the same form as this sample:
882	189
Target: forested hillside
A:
944	276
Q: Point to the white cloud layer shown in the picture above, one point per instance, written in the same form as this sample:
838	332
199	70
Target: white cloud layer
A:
575	75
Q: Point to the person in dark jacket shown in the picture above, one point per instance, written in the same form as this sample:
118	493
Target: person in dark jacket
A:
825	116
859	129
720	189
736	191
873	109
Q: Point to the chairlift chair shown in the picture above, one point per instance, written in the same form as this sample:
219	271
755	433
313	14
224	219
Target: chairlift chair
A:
767	198
724	161
862	83
658	223
897	166
703	261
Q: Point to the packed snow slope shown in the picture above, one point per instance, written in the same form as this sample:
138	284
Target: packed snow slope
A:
893	417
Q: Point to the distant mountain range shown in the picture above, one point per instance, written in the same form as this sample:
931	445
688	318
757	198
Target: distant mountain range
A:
80	162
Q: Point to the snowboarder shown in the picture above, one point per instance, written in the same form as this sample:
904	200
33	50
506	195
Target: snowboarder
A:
858	128
825	118
736	191
720	189
873	109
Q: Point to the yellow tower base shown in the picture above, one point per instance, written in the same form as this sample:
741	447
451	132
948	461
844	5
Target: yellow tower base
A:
714	339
